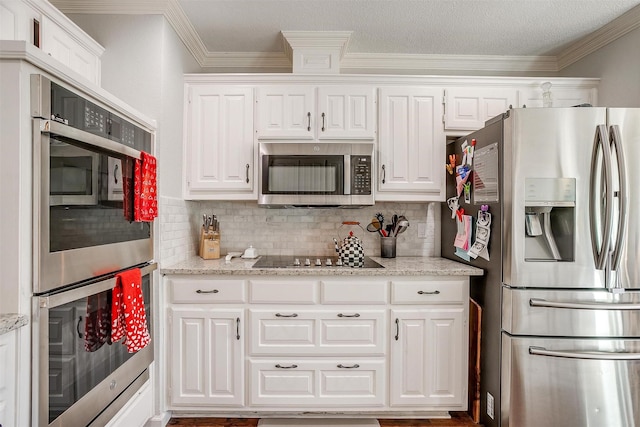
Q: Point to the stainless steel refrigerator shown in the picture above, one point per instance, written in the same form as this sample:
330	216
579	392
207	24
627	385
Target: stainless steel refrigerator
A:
560	337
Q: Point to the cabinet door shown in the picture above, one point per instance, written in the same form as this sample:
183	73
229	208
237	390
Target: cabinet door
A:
321	332
59	44
346	112
8	345
411	145
206	352
467	108
286	112
219	142
428	358
312	382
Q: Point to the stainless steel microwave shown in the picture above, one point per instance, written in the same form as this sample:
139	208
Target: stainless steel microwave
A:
309	174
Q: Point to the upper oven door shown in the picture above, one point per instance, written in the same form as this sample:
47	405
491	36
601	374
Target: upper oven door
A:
82	224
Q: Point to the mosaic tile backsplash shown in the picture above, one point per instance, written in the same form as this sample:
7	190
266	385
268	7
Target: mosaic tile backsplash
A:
291	231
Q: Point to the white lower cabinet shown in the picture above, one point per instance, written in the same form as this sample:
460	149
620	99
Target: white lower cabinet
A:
346	345
338	382
428	357
207	355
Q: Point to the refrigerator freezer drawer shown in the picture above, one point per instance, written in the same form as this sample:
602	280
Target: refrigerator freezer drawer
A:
544	385
571	313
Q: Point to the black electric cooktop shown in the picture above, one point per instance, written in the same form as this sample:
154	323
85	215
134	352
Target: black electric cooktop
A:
307	261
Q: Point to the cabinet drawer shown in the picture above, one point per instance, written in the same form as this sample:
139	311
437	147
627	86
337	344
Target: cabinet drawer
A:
283	292
306	332
437	291
354	292
339	383
202	290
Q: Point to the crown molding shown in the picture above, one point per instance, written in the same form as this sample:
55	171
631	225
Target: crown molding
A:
391	61
176	17
612	31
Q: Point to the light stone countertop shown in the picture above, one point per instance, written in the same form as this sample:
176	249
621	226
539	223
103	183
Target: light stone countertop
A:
11	321
400	266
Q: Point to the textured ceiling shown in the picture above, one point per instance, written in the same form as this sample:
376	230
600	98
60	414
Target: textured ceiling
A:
452	27
451	35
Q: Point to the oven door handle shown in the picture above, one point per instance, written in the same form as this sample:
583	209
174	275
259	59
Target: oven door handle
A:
590	355
539	302
63	131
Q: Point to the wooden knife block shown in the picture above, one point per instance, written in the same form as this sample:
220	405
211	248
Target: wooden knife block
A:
209	245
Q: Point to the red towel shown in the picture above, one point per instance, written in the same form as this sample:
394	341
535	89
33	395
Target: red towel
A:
145	202
128	317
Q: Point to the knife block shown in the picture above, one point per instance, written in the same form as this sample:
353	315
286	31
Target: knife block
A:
209	245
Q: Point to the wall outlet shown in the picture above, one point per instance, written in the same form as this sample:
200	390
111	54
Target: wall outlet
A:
490	407
422	230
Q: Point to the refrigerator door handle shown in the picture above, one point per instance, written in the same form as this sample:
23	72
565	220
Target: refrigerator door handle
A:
616	141
539	302
591	355
601	191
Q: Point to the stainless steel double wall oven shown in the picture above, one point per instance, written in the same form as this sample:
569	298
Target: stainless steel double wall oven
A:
83	153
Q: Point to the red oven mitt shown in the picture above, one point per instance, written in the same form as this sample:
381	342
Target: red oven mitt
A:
128	317
145	201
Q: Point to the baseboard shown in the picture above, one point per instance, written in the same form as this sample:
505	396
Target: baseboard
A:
159	420
317	422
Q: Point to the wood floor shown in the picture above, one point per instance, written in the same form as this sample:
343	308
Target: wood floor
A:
458	419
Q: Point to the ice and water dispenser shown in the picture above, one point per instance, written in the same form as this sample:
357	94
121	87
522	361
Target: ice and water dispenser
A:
549	219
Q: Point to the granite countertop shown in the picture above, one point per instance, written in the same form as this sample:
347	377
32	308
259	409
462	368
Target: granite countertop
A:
400	266
11	321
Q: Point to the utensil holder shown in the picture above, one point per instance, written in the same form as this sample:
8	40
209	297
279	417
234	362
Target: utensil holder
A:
388	247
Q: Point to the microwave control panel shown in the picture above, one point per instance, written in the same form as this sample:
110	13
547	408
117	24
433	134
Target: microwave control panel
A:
360	174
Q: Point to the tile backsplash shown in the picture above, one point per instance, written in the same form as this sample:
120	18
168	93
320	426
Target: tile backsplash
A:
291	231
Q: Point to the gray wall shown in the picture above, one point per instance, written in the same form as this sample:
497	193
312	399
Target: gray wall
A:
143	65
618	67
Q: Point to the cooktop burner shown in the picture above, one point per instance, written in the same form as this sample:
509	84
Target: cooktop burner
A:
306	261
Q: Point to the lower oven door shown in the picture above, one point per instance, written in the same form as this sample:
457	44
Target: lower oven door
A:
80	371
570	382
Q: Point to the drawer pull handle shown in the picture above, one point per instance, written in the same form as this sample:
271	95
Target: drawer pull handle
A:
214	291
349	315
397	328
428	292
279	366
287	315
237	328
354	366
309	121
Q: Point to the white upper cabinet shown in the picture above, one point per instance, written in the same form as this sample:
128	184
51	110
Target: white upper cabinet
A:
41	24
346	112
308	112
411	144
286	112
219	142
467	108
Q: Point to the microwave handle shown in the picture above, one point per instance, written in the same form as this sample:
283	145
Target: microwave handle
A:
347	174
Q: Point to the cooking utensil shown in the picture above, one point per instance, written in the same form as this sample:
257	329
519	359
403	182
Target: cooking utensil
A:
374	226
401	226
